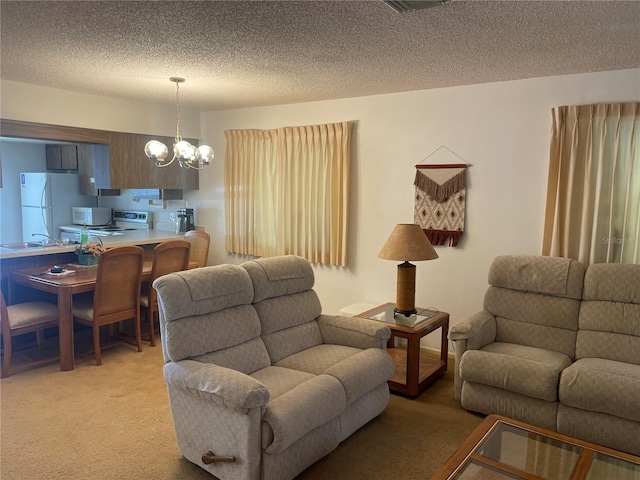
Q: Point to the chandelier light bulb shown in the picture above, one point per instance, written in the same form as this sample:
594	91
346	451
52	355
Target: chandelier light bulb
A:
204	154
156	150
184	150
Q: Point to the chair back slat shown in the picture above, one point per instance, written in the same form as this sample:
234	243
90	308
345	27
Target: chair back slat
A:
117	292
168	257
199	246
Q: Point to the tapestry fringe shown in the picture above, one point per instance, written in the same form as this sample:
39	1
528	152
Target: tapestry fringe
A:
440	237
440	192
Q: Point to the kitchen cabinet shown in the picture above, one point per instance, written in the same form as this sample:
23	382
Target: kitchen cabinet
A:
126	165
62	157
130	167
90	157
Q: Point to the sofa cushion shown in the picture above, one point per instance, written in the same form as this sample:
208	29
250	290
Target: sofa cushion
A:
533	308
318	359
533	319
292	340
611	346
279	276
288	311
203	290
610	313
556	276
197	335
601	385
363	372
286	304
530	371
280	380
204	310
491	400
245	357
300	410
357	370
612	282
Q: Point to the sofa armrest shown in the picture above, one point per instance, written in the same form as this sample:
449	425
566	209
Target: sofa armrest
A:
224	386
478	330
472	333
353	331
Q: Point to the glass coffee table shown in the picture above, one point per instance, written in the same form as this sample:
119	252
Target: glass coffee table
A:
501	448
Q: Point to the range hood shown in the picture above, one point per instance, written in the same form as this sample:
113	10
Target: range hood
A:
157	194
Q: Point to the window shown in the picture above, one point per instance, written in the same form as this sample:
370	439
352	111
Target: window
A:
593	196
286	192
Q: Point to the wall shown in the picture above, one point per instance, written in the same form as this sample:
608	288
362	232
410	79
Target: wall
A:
32	103
501	129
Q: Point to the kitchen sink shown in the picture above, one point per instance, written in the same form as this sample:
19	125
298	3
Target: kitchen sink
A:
21	245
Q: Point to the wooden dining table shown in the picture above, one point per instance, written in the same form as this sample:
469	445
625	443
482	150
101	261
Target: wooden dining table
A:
64	287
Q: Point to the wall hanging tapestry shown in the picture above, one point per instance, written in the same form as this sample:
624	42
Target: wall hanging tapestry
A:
440	202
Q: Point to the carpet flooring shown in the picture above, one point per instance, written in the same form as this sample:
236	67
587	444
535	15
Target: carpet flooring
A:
114	422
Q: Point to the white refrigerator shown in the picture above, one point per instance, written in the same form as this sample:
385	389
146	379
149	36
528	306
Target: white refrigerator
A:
47	199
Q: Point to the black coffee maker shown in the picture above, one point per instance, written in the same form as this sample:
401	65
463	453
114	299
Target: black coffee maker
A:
185	220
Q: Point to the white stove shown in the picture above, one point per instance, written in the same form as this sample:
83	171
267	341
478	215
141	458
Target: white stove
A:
123	221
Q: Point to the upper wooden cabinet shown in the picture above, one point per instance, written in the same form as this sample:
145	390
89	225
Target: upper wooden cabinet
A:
62	157
130	166
90	156
126	166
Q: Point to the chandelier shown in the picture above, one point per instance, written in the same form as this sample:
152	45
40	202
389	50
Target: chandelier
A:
187	155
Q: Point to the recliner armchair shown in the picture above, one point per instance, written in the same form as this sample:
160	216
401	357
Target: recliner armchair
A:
261	383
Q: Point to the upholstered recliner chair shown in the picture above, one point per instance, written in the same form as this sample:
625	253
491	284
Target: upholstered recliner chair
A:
261	383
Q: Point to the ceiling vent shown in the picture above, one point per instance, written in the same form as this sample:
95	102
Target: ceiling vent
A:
406	6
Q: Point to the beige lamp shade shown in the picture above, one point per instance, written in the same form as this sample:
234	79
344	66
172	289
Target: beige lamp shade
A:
407	242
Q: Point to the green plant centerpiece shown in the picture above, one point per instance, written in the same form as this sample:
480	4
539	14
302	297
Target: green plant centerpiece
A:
89	252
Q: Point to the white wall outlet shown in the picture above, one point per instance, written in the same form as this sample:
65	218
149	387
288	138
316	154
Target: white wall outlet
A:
172	216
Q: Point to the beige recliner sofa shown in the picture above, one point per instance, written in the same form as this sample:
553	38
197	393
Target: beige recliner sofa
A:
256	372
557	346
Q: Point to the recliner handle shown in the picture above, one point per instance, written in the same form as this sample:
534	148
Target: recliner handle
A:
210	457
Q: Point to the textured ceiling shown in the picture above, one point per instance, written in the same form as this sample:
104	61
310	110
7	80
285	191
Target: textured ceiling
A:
251	53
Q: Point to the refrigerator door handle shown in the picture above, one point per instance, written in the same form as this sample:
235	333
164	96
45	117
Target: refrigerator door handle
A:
42	207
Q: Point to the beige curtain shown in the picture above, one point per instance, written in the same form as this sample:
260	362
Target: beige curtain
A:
286	192
593	195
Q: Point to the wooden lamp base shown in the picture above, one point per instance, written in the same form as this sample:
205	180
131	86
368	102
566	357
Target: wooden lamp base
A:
406	293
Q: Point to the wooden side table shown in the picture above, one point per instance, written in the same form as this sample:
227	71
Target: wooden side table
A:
415	369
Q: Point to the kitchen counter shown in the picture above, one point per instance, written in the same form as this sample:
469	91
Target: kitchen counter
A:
134	237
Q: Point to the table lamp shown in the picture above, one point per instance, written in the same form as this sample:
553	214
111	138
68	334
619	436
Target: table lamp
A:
407	242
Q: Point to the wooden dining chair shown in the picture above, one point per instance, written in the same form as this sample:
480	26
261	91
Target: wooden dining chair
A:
168	257
24	318
199	241
116	296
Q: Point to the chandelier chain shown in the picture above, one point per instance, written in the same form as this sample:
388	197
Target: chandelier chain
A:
178	136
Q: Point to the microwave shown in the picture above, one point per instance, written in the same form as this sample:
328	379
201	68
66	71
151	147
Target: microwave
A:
91	215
